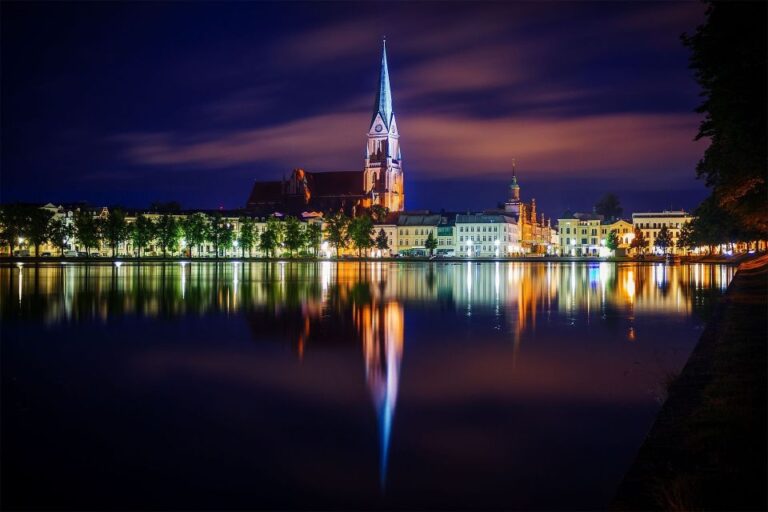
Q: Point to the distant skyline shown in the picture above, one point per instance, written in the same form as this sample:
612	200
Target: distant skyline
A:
129	103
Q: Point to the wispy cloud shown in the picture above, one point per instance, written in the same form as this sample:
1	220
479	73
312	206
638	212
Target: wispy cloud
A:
613	145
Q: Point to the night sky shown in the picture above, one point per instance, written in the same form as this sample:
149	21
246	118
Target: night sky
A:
138	102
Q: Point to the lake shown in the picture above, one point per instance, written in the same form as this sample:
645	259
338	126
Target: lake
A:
243	385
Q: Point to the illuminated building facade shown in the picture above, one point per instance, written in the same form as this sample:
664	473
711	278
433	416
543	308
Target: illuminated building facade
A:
586	234
487	235
535	232
413	230
650	223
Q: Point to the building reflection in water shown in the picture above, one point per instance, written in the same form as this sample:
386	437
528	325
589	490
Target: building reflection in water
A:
360	305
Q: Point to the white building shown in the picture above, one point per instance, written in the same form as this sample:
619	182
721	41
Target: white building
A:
486	235
650	223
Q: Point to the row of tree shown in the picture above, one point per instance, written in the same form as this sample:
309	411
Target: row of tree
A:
167	233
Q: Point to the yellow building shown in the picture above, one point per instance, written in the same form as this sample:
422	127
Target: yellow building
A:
586	234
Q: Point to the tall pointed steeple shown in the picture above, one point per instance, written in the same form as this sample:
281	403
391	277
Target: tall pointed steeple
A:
383	103
383	177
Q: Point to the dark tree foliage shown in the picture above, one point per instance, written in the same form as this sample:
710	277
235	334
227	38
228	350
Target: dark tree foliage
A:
86	230
664	239
728	54
24	220
431	243
270	237
196	231
712	225
220	233
313	237
612	242
142	232
168	233
379	213
360	232
639	243
114	229
37	227
247	237
13	223
294	235
336	231
60	233
609	207
382	243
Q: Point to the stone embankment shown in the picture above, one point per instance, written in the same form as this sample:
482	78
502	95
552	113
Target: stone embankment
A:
707	448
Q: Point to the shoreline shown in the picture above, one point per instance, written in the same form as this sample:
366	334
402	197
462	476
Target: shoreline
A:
735	260
707	447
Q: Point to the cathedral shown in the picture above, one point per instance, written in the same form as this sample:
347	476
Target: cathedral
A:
380	182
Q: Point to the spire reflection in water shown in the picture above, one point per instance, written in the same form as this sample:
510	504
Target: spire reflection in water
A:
382	329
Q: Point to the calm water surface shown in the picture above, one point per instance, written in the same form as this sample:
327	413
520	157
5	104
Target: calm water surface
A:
324	385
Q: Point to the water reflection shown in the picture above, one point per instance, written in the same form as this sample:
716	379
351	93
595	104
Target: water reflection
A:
361	305
71	292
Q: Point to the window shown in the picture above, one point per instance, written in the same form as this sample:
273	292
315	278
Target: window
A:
583	241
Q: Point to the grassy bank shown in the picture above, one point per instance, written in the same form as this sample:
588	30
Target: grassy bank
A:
707	448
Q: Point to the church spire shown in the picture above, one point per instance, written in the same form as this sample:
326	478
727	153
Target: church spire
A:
383	104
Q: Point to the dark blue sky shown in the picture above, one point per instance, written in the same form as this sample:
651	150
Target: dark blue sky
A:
127	103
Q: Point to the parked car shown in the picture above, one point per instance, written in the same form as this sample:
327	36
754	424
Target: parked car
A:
71	254
95	255
46	255
21	253
82	254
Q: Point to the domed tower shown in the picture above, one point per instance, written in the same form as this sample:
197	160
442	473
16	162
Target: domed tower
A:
513	203
383	174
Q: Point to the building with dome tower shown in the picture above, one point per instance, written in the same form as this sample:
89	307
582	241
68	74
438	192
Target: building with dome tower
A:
536	233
